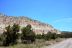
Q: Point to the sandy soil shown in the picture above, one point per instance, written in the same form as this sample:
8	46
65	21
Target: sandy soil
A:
64	44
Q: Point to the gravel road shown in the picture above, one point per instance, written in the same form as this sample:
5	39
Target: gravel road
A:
64	44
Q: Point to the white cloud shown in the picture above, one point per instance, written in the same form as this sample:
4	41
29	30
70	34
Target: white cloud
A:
63	24
66	20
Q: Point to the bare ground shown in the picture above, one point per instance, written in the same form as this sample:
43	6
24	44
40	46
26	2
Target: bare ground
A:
64	44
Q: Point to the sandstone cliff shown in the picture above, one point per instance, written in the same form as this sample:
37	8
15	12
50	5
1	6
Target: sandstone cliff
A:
37	26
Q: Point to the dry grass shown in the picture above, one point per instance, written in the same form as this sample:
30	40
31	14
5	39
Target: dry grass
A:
37	44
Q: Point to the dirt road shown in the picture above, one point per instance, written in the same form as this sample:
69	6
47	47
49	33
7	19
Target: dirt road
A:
64	44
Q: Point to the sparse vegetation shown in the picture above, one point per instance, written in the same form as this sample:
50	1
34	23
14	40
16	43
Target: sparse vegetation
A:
66	34
47	36
11	35
28	35
28	38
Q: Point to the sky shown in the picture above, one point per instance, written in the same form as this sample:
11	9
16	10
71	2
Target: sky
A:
57	13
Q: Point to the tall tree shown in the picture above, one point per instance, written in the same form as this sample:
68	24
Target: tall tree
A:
11	34
15	30
7	34
28	34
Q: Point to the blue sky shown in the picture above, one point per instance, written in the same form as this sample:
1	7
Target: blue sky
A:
58	13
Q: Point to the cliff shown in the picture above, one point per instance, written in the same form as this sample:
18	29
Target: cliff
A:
37	26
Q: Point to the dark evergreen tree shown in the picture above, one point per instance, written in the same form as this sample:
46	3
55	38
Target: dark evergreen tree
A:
11	35
15	30
27	34
7	35
39	36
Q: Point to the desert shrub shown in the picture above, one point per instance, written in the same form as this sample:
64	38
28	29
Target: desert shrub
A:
27	34
51	36
10	35
66	34
54	36
38	36
47	36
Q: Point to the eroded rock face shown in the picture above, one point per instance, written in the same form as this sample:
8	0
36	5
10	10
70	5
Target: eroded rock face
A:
38	27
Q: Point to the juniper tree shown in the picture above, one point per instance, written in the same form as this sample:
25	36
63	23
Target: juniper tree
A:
28	34
11	35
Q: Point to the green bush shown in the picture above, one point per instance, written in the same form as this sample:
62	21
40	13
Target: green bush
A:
47	36
28	35
50	35
39	36
11	35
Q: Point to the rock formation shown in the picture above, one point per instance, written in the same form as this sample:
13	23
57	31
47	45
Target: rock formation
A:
37	26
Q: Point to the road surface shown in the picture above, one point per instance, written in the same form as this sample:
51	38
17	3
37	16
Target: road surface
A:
64	44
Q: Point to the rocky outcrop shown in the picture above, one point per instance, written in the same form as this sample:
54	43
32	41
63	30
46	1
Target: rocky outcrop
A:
37	26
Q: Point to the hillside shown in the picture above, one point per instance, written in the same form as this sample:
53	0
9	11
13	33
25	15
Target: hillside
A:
37	26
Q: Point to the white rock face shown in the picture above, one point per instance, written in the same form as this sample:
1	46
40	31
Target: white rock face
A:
38	27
